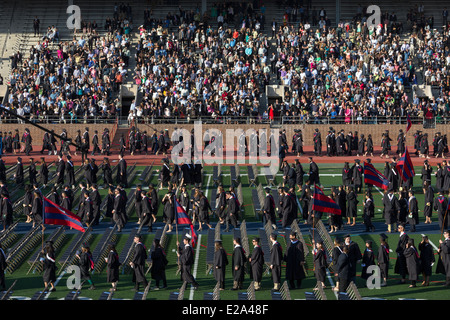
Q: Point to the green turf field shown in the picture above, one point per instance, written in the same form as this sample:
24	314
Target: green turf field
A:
28	284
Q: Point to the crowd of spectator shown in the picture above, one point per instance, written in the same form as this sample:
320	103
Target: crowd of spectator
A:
217	65
71	80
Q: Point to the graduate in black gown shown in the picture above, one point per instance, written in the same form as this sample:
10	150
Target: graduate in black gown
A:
368	259
443	265
219	263
299	174
256	263
429	200
295	260
6	210
400	264
276	259
238	263
18	175
36	208
121	177
412	262
169	207
96	201
354	256
159	263
43	173
48	259
60	170
335	253
343	270
232	210
268	208
107	172
138	263
320	263
70	172
86	265
112	266
427	259
185	255
221	203
383	259
391	208
118	211
441	206
32	171
27	201
413	211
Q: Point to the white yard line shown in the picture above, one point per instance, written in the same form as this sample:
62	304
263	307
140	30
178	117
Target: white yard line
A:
331	282
55	284
197	256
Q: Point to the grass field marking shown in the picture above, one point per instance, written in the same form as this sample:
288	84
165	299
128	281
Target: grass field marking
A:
56	283
331	282
382	194
197	256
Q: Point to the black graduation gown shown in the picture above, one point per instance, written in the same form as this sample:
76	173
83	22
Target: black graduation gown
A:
119	214
383	260
443	265
139	257
287	211
168	211
276	258
186	260
60	169
36	210
391	208
361	146
219	264
85	265
269	209
257	263
19	173
27	201
6	211
159	262
70	173
347	175
32	173
413	212
299	173
429	200
368	260
221	203
112	267
314	174
121	177
294	256
440	176
426	258
441	205
165	174
352	203
204	209
400	263
320	265
412	263
49	268
238	260
446	173
107	174
43	174
354	254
